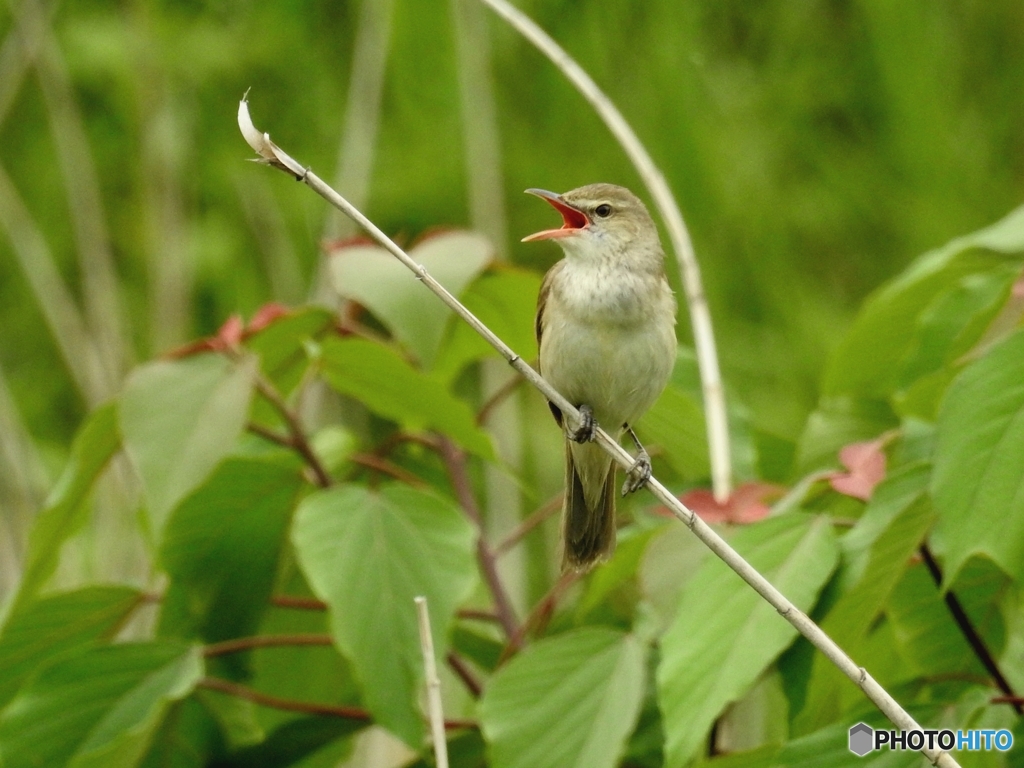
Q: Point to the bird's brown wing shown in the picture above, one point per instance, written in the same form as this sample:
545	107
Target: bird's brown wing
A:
538	323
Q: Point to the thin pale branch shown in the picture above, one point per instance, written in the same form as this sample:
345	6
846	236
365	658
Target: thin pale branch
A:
100	294
967	629
385	467
465	674
362	108
55	301
540	615
689	269
434	708
276	702
534	519
455	462
301	603
297	439
16	55
241	644
276	157
473	614
497	397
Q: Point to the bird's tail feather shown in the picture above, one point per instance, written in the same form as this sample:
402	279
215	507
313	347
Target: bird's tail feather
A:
588	532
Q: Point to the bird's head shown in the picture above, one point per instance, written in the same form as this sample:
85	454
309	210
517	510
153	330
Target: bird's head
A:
598	218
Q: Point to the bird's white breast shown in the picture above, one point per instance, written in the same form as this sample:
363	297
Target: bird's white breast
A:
609	338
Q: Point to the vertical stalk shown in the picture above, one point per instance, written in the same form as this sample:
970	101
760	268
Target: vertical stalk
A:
486	203
696	301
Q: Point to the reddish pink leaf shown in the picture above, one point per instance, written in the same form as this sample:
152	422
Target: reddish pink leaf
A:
747	504
865	464
230	334
265	315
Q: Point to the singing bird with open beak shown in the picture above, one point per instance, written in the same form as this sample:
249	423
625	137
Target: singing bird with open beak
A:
606	331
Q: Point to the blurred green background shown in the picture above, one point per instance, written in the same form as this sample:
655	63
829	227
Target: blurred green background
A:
815	147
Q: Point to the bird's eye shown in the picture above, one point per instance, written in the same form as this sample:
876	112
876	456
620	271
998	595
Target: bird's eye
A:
604	210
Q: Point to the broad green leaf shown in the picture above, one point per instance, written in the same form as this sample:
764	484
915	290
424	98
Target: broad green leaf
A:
222	545
381	283
96	442
867	361
292	742
505	300
280	345
978	481
569	701
56	624
316	673
179	419
955	320
188	737
839	421
619	570
675	423
377	376
877	551
368	554
929	639
466	750
725	634
98	708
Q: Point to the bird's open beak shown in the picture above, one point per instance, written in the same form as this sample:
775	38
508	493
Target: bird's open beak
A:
573	220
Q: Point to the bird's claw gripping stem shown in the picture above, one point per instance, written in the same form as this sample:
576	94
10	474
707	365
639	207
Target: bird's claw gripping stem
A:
638	474
585	432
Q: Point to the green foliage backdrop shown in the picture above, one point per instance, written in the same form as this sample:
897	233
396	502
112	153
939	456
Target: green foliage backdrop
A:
234	443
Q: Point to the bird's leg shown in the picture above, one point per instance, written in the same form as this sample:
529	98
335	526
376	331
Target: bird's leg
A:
638	474
585	432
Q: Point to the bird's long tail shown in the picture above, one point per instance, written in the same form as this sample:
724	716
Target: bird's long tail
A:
588	512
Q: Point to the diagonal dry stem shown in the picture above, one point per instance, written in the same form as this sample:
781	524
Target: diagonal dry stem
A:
273	155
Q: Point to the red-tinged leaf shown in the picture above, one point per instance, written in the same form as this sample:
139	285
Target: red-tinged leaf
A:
230	333
747	504
265	315
865	465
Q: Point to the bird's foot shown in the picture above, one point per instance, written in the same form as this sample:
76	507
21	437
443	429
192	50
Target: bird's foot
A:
584	433
638	474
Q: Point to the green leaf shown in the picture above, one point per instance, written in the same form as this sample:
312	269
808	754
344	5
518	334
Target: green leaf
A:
868	360
877	551
725	634
179	418
373	277
96	442
505	300
292	742
188	737
389	386
97	708
675	423
955	320
930	642
368	554
44	629
571	700
280	345
978	481
839	421
222	545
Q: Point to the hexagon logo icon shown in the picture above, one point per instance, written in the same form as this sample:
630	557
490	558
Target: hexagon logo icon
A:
862	738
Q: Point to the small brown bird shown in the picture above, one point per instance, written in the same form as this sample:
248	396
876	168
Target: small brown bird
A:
606	331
